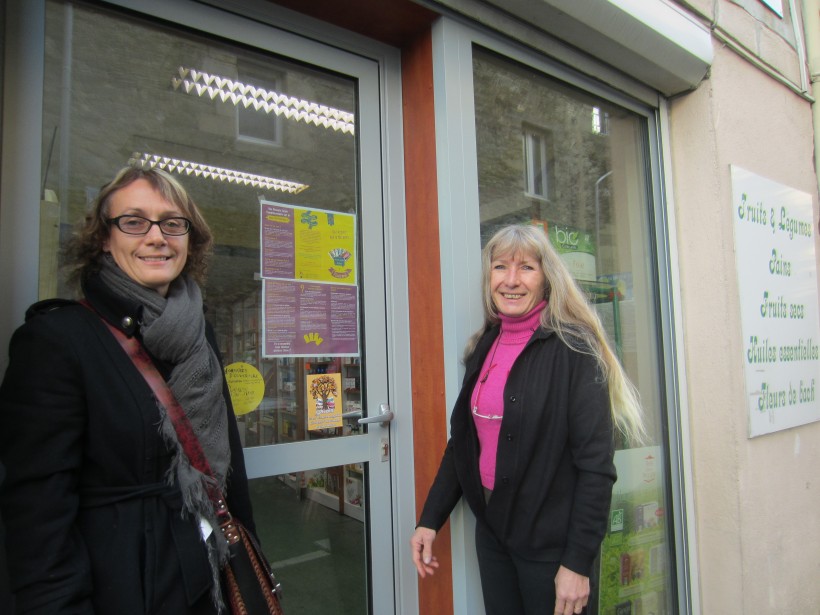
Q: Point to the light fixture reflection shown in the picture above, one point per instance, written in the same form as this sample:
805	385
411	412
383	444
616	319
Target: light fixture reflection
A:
192	81
175	165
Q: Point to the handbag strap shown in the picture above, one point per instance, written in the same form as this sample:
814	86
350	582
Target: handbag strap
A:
182	425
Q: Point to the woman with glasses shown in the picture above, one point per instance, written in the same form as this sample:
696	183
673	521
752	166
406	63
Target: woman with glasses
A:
103	511
532	434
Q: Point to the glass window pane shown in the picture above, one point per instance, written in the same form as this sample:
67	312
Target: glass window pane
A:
320	560
215	111
598	218
240	128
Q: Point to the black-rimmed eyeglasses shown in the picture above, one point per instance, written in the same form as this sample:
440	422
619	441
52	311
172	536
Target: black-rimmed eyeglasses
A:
137	225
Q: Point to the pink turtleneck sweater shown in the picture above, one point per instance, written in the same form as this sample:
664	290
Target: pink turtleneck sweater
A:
488	395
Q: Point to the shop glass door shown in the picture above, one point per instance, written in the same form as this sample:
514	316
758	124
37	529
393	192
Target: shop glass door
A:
283	158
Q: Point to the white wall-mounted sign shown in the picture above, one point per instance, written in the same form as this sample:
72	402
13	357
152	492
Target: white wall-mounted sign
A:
777	279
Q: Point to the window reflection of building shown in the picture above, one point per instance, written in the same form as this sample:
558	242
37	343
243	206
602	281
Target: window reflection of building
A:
600	121
100	108
231	123
585	184
252	125
537	162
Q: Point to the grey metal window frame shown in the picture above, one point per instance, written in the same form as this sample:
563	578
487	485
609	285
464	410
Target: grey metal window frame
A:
453	41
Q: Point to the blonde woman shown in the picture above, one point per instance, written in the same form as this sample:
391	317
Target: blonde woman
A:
532	434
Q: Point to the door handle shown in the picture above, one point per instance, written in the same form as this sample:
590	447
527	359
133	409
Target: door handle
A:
384	416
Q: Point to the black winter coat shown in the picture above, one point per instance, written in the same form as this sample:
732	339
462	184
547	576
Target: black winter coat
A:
92	526
554	465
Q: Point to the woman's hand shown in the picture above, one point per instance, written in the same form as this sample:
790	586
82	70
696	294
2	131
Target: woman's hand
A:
422	544
571	592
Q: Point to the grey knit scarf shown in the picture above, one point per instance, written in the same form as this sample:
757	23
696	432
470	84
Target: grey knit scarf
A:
173	331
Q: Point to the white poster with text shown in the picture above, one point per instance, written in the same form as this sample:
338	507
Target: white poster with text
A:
777	279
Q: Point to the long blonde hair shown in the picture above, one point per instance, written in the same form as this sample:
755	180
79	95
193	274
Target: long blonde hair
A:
569	314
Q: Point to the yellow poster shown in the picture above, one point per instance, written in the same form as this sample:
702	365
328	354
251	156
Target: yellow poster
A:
324	401
325	244
246	385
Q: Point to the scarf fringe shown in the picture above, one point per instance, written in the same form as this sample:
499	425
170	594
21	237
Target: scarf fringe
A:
196	503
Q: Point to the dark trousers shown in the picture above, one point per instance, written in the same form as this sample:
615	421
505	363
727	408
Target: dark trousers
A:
510	584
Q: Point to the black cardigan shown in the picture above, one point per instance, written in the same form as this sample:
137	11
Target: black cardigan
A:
91	524
554	466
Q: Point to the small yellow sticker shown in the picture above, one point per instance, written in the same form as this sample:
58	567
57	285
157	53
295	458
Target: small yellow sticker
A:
246	385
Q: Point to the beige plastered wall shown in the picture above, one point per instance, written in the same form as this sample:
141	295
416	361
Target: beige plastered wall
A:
757	501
